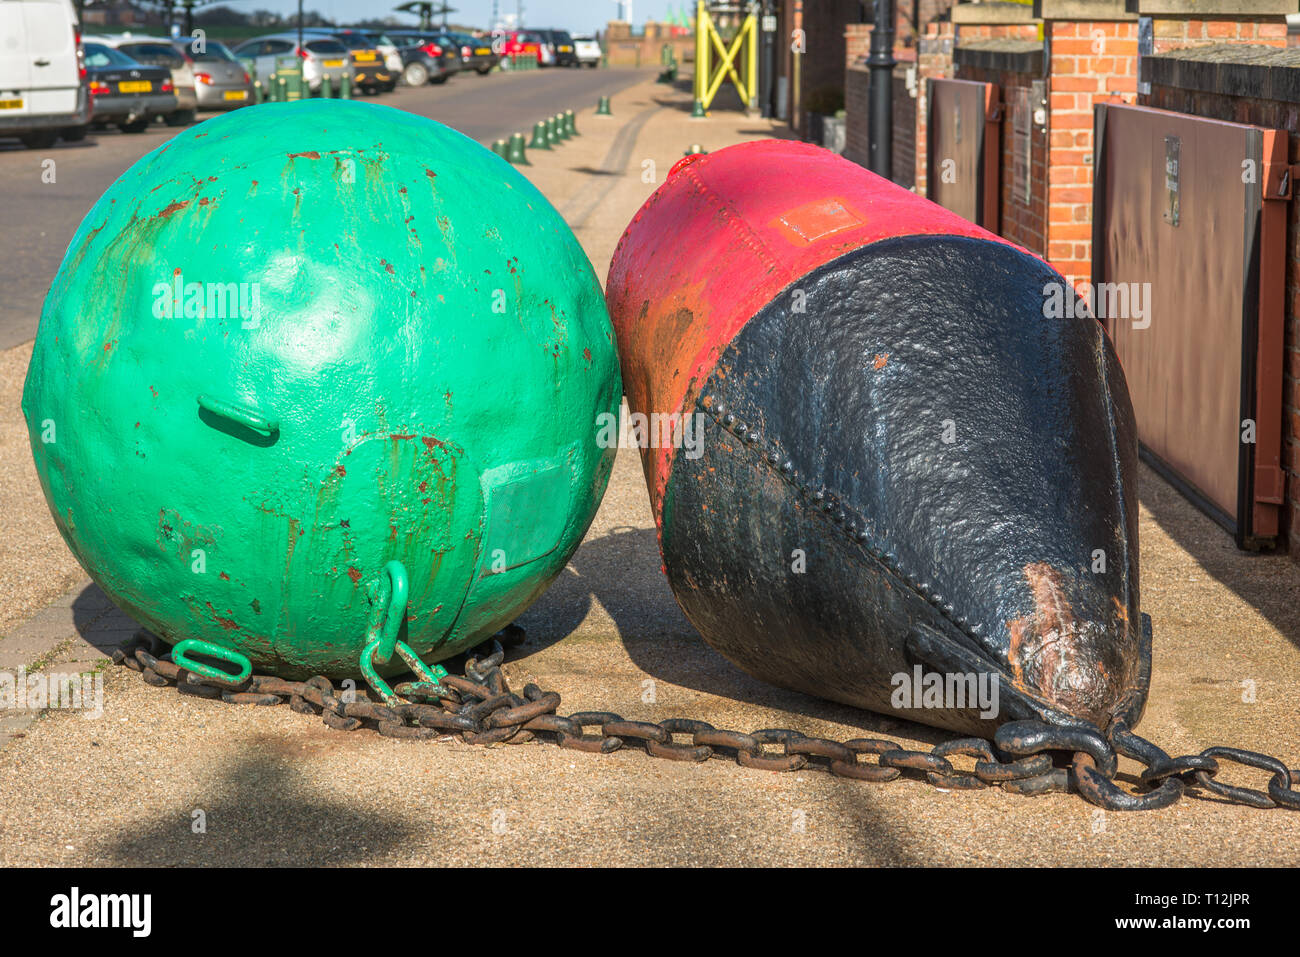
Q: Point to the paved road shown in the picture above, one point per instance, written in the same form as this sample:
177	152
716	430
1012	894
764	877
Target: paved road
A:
38	218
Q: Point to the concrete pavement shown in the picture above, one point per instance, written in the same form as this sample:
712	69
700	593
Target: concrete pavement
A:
275	787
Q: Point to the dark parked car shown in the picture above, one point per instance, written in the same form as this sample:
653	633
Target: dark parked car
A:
436	45
419	68
476	52
125	91
562	45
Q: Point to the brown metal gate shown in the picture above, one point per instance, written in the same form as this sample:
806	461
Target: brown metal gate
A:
963	152
1197	209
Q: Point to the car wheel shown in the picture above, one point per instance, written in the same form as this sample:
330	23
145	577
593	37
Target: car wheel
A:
135	126
73	134
40	139
415	74
180	118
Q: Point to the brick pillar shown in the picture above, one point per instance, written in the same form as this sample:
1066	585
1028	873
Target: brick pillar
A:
857	42
934	60
1089	62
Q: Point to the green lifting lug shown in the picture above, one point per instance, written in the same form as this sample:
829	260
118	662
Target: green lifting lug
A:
389	596
199	646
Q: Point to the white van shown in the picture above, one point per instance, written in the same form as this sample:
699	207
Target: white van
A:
43	91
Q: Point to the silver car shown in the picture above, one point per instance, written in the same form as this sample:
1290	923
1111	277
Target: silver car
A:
321	57
220	81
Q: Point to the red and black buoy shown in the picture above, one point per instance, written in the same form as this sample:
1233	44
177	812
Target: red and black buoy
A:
903	461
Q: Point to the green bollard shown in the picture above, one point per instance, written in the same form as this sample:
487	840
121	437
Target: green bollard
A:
561	128
326	88
258	98
697	111
281	89
667	61
515	151
551	136
571	122
345	87
540	142
693	149
499	147
602	108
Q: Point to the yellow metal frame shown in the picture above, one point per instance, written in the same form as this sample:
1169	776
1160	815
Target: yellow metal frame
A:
708	79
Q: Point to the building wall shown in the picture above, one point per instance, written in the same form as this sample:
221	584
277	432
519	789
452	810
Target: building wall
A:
823	65
1175	34
1090	62
857	106
1022	223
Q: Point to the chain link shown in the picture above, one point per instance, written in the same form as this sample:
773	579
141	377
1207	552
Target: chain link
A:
480	707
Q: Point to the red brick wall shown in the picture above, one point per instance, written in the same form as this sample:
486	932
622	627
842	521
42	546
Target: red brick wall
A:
1176	34
1090	62
997	31
1271	115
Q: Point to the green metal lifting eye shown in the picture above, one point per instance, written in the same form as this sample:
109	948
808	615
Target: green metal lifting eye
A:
199	646
389	596
235	413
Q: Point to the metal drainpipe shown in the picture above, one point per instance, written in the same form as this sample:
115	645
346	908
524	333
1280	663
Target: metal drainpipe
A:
880	62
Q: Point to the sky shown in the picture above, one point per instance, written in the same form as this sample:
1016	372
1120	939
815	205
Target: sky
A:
573	15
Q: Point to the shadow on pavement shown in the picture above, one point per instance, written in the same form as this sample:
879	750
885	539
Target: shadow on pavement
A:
261	814
1268	582
622	572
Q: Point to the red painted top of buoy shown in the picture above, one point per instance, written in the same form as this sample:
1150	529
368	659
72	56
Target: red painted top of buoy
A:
723	235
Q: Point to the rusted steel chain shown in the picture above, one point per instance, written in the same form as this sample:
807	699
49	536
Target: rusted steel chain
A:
479	706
